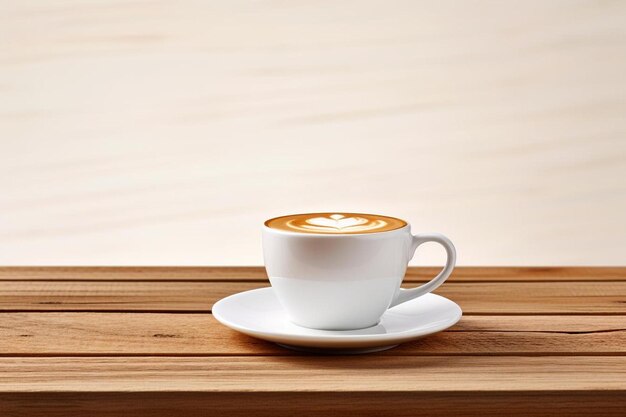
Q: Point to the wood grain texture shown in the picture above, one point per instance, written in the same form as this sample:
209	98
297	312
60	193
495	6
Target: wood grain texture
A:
255	273
313	374
158	132
474	298
313	404
76	334
525	346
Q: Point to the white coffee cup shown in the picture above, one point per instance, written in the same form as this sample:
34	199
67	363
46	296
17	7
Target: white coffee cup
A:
345	281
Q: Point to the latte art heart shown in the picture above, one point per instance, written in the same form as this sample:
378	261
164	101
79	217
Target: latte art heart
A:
336	223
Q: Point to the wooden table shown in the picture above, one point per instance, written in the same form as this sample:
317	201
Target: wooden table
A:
141	341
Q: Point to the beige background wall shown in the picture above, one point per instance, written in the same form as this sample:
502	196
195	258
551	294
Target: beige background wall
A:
165	132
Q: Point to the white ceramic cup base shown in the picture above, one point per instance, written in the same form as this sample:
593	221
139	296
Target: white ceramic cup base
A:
347	351
258	313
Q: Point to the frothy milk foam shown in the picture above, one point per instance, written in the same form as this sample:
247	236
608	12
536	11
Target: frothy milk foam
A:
335	223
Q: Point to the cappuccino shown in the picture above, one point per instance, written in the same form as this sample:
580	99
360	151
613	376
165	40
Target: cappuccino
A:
335	223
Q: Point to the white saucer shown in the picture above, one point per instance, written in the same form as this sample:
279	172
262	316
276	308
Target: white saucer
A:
259	314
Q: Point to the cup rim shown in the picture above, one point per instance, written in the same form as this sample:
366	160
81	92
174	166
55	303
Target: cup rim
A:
338	235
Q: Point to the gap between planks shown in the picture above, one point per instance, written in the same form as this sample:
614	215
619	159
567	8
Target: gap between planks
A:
257	273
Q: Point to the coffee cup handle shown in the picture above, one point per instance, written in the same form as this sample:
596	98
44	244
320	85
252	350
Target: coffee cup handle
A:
410	294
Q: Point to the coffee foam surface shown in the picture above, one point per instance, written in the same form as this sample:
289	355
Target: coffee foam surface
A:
335	223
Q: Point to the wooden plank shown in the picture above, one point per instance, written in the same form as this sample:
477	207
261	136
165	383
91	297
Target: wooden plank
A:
133	273
475	298
408	374
72	334
314	404
151	273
